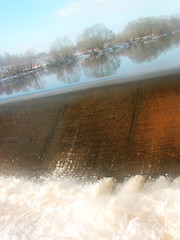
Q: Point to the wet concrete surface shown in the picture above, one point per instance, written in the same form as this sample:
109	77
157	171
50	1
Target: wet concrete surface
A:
118	130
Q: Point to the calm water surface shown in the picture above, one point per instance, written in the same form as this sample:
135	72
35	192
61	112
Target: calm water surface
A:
161	54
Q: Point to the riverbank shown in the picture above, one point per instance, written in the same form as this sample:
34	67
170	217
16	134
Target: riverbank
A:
14	71
115	130
101	82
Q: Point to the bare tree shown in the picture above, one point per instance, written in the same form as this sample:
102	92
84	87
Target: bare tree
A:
15	65
62	50
174	22
141	27
150	25
94	37
29	59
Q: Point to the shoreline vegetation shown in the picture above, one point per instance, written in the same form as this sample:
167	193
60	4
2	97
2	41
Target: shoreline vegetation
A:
94	41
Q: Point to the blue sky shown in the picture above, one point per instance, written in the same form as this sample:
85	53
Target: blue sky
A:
36	24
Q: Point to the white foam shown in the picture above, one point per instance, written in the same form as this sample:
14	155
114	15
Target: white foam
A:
64	208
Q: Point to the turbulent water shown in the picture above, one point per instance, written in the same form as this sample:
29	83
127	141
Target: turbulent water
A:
56	207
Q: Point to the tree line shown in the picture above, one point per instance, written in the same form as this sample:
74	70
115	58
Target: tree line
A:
148	26
99	37
13	64
93	39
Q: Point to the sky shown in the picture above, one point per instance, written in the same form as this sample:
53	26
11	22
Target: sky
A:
36	24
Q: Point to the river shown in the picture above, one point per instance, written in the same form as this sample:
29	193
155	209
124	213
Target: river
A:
159	55
98	164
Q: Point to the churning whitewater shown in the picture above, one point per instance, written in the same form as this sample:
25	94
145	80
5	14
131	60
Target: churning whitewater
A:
72	209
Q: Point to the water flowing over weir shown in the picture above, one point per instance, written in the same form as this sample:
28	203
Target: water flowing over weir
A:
112	131
101	163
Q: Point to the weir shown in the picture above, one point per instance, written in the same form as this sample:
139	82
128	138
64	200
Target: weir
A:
117	130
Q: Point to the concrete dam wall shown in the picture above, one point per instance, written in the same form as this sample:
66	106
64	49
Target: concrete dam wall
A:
119	130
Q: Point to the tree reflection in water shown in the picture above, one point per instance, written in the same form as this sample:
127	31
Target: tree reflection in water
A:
148	52
68	73
22	83
102	65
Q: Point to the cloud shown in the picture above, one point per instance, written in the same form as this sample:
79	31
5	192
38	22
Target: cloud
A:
70	9
120	11
88	8
175	1
92	8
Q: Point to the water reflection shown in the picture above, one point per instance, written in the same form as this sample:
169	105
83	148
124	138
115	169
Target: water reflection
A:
103	65
58	76
68	73
150	51
22	83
